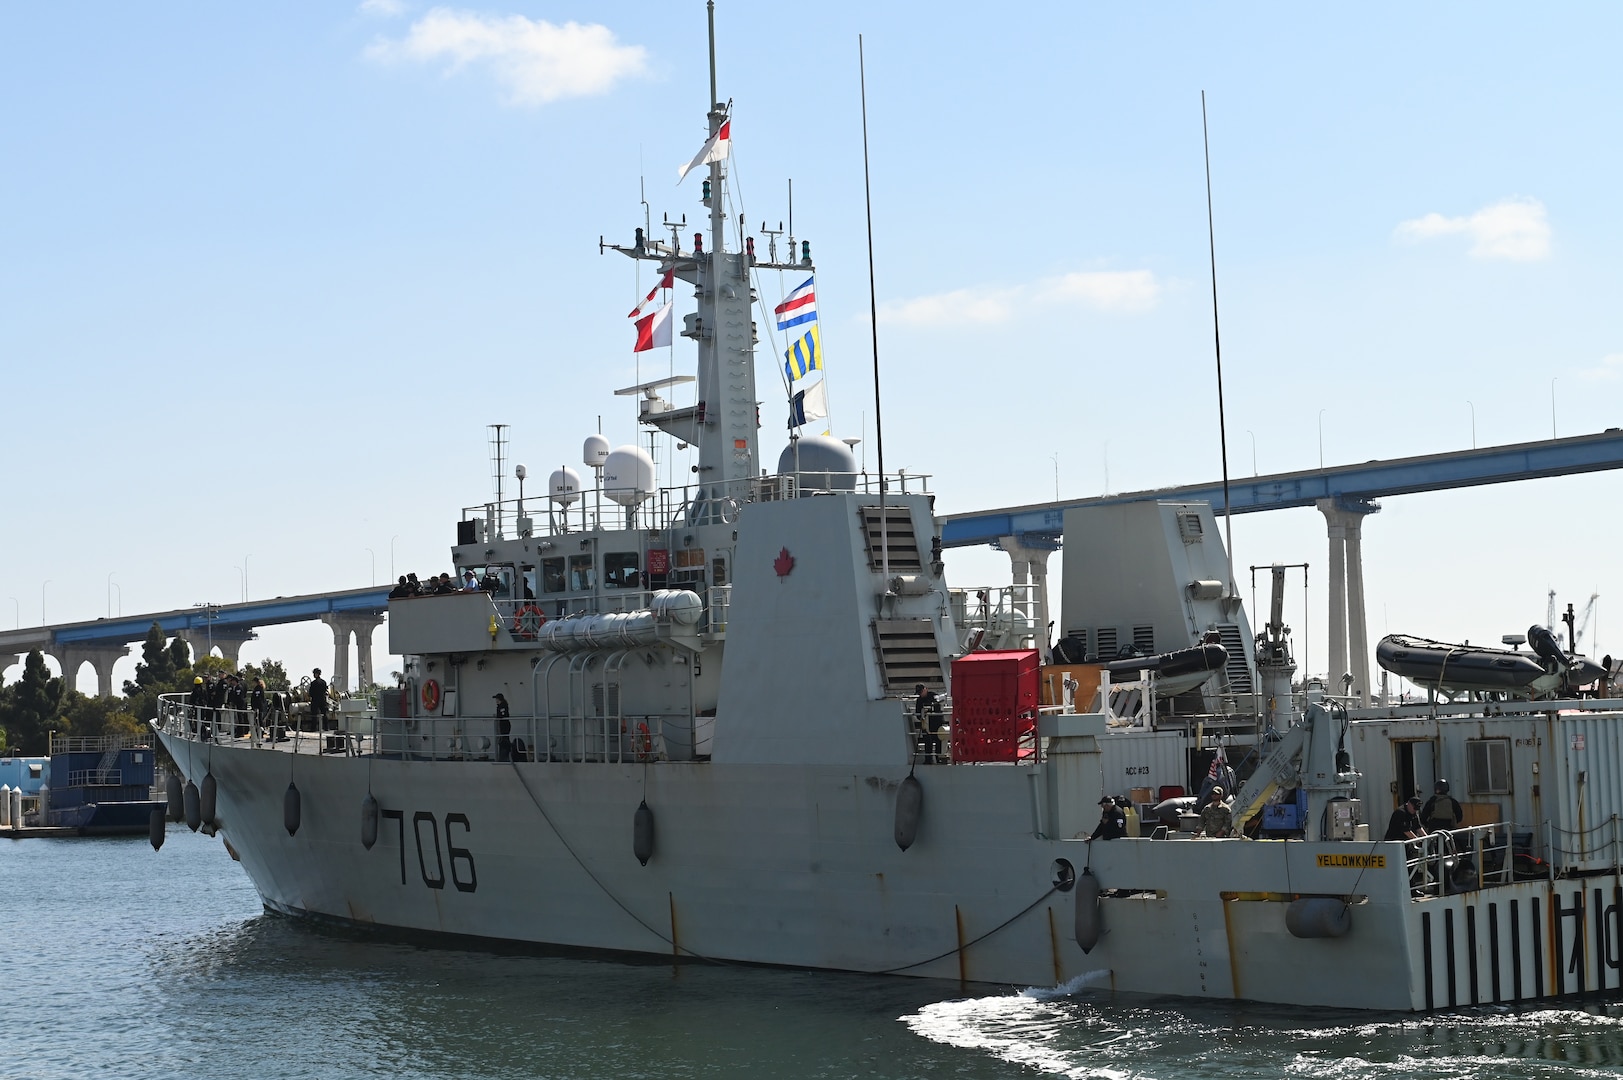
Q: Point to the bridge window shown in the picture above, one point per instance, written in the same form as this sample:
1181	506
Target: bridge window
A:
582	576
620	570
552	575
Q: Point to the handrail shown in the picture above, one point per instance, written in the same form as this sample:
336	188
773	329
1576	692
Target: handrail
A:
1435	860
671	506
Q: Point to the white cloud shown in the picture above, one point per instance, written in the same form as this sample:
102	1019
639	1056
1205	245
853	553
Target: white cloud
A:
1121	290
386	8
1610	369
1124	291
535	61
1514	228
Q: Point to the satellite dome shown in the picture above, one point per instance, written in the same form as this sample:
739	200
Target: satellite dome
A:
595	451
564	486
820	463
628	475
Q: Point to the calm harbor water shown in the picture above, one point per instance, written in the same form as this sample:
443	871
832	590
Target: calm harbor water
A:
124	962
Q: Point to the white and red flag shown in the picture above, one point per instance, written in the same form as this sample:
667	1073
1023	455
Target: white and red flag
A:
654	330
716	149
666	282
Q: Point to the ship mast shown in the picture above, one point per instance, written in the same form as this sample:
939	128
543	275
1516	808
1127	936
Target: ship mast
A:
723	421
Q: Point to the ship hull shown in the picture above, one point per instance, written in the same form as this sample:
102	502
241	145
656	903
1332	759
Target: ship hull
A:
797	866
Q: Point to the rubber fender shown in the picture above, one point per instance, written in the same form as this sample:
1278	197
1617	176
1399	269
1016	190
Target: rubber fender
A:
177	798
290	809
155	822
642	833
369	821
209	799
909	809
1088	923
194	807
1318	917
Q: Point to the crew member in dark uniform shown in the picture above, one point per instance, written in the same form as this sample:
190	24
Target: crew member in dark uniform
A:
1112	822
1442	811
504	730
318	701
1405	823
927	708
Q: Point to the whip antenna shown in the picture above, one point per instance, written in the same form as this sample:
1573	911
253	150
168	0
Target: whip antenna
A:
1217	343
873	319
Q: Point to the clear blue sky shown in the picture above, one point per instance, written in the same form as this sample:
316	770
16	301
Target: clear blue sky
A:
266	272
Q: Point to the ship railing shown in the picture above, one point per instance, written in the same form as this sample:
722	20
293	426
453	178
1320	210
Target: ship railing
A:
346	733
95	778
670	507
1594	847
95	744
918	730
1458	860
997	617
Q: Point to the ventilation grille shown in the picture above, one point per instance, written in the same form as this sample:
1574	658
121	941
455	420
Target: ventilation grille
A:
1189	527
1236	670
907	654
903	543
1104	640
1144	639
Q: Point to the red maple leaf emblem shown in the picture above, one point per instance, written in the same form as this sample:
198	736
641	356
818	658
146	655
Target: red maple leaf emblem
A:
784	563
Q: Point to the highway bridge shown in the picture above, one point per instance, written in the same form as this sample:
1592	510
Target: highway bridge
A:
206	627
1345	494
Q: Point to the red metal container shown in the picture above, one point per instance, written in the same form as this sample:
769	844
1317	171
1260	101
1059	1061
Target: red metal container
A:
994	704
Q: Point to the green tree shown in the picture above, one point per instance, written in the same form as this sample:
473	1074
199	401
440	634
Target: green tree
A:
33	706
98	716
180	654
272	671
159	667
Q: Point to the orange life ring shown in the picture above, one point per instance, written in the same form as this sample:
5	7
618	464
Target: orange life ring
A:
527	622
644	742
431	695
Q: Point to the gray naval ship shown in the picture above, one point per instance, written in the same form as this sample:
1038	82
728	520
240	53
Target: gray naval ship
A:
713	750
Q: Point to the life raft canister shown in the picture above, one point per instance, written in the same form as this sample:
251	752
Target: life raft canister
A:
431	695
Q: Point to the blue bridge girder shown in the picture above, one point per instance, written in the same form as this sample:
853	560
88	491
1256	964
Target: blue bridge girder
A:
1349	484
221	619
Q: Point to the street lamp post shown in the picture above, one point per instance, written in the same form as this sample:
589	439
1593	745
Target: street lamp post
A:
1253	451
245	559
374	559
392	539
1552	408
242	582
120	590
1321	438
47	581
1473	425
110	594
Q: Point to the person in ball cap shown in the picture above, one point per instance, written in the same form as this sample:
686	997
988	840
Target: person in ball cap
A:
1112	822
1405	823
1216	819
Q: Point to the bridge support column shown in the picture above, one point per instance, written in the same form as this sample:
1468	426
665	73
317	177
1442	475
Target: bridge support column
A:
228	641
102	657
1028	559
343	625
1344	520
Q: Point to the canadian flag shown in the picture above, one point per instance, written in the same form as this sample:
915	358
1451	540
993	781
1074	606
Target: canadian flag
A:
715	150
654	330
